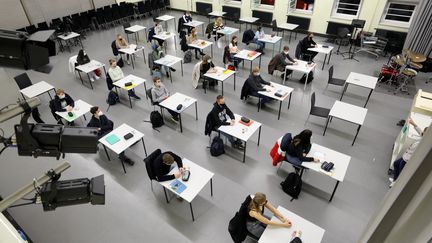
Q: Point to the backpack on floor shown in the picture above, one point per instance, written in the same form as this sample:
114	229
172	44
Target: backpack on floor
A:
156	119
187	57
120	62
113	98
292	185
217	147
303	78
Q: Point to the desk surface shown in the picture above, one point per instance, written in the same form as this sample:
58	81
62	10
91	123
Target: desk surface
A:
287	26
194	23
199	177
36	89
348	112
41	35
164	36
123	144
227	30
90	66
217	13
71	35
311	233
277	88
132	49
168	60
341	161
248	55
239	130
130	78
136	28
249	19
269	39
200	44
362	80
81	108
176	99
221	74
321	49
302	66
165	17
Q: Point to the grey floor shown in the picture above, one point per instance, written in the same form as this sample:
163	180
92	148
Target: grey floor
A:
133	213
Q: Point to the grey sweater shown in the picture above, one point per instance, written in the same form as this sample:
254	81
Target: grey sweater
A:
159	93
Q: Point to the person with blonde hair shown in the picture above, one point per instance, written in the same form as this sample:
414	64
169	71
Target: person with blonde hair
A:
116	73
122	44
193	37
218	25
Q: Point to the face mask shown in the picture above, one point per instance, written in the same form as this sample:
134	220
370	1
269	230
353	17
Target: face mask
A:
286	53
84	53
62	96
257	74
154	46
100	113
209	60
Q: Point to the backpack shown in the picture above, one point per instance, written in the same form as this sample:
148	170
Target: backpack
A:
120	62
187	57
292	185
156	119
113	98
156	73
217	147
303	78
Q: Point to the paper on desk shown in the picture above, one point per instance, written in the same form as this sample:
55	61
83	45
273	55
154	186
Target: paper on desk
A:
319	155
178	186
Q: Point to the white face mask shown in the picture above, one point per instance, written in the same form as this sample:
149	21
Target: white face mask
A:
286	53
100	113
257	74
62	96
209	61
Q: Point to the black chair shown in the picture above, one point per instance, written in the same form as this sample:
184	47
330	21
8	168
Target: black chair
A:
130	11
141	9
31	29
334	81
342	35
100	18
317	110
108	15
123	10
42	26
85	21
274	26
148	164
116	13
22	30
53	112
57	25
23	81
114	49
127	32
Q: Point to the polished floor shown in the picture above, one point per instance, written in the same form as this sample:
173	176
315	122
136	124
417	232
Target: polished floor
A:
133	213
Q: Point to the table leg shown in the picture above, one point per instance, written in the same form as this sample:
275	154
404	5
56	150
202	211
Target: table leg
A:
106	152
260	62
327	122
273	49
132	60
244	152
145	62
343	91
285	75
280	106
251	66
355	137
145	31
211	187
91	85
170	73
145	150
307	77
175	26
290	36
203	29
145	90
222	87
367	100
181	64
54	91
325	58
124	169
289	101
81	42
328	61
105	72
211	47
190	205
181	125
127	37
259	135
334	190
259	103
175	43
166	196
234	80
136	38
196	110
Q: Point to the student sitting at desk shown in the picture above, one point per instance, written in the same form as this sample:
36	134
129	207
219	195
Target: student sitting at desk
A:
82	59
400	163
104	126
299	147
193	38
259	34
163	164
253	85
207	66
221	115
159	93
307	43
122	44
156	54
233	50
116	73
186	18
218	25
62	103
280	61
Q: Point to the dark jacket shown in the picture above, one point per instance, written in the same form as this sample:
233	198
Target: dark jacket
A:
297	151
306	43
105	124
217	114
205	67
256	83
161	170
248	36
83	60
150	34
237	225
58	101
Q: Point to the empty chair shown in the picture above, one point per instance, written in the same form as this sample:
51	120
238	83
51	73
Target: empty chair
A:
317	110
141	9
332	80
274	26
84	20
31	29
57	24
127	32
42	26
23	81
342	35
108	15
148	164
100	18
116	13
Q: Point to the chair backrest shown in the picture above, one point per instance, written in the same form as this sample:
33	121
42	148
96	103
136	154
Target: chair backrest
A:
274	25
342	32
149	95
126	25
53	111
298	50
23	81
114	48
226	55
149	163
330	72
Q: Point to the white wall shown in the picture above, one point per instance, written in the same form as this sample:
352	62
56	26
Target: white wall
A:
12	21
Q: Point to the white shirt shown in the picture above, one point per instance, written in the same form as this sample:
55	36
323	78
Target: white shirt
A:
115	73
411	149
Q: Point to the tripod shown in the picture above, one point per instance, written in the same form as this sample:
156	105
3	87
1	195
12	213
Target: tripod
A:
351	50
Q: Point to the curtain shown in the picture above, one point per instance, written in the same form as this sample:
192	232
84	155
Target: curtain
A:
420	32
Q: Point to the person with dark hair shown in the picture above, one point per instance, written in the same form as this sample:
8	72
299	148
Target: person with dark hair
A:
186	18
221	115
280	61
258	35
62	103
104	126
255	83
83	58
159	93
300	146
233	50
164	163
307	43
116	73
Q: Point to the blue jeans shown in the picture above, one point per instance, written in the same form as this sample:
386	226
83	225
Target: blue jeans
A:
264	99
260	45
398	166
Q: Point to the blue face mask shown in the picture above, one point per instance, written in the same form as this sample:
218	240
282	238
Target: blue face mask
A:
154	46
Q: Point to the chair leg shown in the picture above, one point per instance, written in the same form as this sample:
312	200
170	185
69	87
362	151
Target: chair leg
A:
277	172
151	184
307	120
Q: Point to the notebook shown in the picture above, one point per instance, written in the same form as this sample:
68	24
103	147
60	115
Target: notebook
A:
178	186
112	139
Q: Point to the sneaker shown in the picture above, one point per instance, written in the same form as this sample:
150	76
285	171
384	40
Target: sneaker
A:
172	69
92	80
129	161
391	179
128	62
391	184
136	97
97	77
167	74
240	146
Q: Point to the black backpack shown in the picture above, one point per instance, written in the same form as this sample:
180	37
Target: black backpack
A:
113	98
156	119
303	78
187	57
292	185
217	147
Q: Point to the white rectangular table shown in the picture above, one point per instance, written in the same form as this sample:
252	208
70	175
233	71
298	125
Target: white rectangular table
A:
215	14
165	18
195	24
272	40
176	99
165	36
199	177
169	61
227	31
349	113
37	89
135	82
273	90
242	132
123	144
132	50
311	233
135	29
361	80
89	67
325	49
202	44
290	28
80	109
221	75
301	66
249	56
67	38
248	20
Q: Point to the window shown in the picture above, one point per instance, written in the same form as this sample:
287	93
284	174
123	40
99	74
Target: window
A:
301	5
398	13
263	3
268	2
347	8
